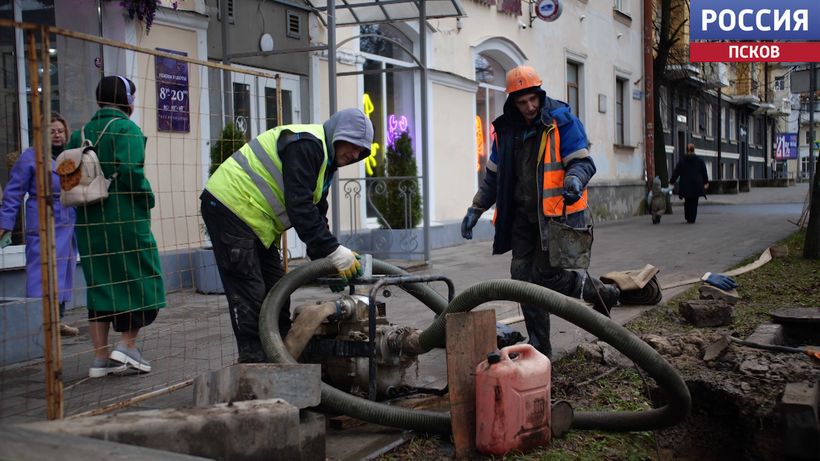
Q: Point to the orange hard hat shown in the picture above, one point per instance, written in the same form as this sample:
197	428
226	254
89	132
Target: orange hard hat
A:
522	77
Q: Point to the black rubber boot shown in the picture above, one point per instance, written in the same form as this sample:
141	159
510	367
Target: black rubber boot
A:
602	296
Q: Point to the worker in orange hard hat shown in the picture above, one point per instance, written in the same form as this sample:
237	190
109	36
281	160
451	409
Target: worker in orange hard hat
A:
538	171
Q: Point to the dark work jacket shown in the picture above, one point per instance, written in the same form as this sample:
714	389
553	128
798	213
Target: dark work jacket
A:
691	170
498	186
301	161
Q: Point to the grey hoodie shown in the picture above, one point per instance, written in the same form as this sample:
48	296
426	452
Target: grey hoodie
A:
349	125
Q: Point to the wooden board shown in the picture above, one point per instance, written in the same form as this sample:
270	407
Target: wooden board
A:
470	336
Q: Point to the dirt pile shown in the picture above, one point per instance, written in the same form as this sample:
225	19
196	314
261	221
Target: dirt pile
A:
735	395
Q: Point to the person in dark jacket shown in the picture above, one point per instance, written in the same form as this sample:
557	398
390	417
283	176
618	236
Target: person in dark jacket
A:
277	181
530	179
694	182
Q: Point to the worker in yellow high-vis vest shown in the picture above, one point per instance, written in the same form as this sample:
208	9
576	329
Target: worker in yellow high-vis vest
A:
277	181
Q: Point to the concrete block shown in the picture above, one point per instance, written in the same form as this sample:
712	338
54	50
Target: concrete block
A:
253	430
706	313
767	333
710	292
800	414
24	444
312	435
298	384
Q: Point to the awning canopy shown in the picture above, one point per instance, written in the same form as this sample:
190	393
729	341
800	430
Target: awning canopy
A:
361	12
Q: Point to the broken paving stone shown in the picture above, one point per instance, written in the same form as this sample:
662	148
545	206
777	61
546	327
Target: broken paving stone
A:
716	349
662	345
591	351
706	313
753	366
712	292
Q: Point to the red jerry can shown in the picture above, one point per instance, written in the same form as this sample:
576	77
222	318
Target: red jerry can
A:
513	400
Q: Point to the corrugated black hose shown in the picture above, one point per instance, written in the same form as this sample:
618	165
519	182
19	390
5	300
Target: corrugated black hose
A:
679	400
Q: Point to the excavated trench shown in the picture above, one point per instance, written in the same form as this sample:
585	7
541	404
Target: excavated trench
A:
735	396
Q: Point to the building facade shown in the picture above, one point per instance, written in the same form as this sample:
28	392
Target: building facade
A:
591	57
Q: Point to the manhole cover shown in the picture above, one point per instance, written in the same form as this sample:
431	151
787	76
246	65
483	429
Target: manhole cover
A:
797	315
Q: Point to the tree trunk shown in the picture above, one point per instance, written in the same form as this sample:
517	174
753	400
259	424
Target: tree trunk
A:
660	144
811	246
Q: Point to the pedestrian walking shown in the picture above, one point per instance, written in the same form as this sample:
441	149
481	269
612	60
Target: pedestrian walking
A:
277	181
538	170
22	181
118	252
694	181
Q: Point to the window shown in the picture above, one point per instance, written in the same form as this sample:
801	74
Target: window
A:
779	84
710	120
620	5
620	112
489	100
242	108
700	125
392	93
752	131
694	117
732	126
17	131
573	87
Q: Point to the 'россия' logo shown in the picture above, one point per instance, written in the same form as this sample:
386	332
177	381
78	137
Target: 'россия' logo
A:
754	26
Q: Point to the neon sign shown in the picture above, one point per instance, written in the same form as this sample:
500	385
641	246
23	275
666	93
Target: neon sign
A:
395	127
371	161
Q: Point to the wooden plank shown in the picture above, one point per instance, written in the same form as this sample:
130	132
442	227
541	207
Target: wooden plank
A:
470	336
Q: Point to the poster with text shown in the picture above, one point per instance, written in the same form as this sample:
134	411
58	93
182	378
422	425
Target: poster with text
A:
172	93
785	146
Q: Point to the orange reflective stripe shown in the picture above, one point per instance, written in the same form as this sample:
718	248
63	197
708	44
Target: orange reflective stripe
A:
552	202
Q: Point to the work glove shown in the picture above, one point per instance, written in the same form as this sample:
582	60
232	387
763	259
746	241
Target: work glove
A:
469	221
721	281
346	263
572	190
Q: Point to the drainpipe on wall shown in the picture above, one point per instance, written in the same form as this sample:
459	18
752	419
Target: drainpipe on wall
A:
766	145
719	132
227	90
812	137
649	93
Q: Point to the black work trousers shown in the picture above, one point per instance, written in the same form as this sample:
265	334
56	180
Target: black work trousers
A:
690	209
248	271
531	264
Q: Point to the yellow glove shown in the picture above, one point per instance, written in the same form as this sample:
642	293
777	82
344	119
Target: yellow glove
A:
346	262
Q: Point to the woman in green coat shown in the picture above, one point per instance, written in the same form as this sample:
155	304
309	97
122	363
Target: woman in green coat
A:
118	252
